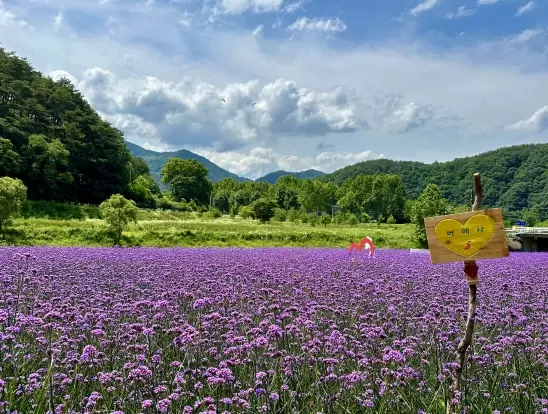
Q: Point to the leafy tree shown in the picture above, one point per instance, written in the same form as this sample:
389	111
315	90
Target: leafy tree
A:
264	209
293	216
391	220
143	189
187	180
13	194
46	166
137	167
280	215
9	159
246	212
118	212
531	217
325	219
430	203
352	220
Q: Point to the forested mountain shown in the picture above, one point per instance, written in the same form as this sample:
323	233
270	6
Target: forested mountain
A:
513	177
53	140
301	175
156	160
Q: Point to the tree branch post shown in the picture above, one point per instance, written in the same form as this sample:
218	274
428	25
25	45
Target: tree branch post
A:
471	273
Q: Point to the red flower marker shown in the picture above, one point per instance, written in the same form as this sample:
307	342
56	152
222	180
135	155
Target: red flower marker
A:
367	242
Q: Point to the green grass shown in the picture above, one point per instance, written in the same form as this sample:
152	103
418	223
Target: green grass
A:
168	229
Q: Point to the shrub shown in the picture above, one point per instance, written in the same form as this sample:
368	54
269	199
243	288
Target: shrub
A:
118	212
325	219
352	219
391	220
280	215
13	193
246	212
264	209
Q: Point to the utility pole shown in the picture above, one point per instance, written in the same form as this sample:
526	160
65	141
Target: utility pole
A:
210	199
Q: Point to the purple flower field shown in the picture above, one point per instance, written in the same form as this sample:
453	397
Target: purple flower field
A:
265	330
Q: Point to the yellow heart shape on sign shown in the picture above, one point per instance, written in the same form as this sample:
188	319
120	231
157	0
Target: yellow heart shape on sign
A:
468	238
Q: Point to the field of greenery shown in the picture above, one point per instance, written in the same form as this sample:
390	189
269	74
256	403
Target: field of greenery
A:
169	229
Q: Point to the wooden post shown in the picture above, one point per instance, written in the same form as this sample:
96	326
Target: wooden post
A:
471	273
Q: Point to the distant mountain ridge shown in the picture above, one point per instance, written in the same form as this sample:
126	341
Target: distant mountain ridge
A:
156	160
302	175
513	177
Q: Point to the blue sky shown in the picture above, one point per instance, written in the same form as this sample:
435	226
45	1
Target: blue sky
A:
260	85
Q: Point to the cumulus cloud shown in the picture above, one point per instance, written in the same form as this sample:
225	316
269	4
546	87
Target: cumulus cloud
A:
424	6
525	8
538	122
304	24
392	114
260	161
192	112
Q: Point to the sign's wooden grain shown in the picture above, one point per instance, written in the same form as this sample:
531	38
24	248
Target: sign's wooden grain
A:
474	235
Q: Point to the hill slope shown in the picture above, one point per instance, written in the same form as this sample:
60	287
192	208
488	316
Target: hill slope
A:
302	175
513	177
156	160
53	140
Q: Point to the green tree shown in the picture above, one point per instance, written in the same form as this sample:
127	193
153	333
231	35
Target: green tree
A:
46	166
13	194
391	220
118	212
142	190
246	212
430	203
293	215
9	159
325	219
263	209
187	180
531	217
280	215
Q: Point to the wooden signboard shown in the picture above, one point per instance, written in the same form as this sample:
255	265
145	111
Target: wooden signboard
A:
474	235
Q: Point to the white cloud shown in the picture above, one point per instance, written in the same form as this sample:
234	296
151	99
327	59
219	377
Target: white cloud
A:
304	24
462	11
486	2
525	37
424	6
293	7
259	30
538	122
257	6
58	21
525	8
226	118
260	161
161	83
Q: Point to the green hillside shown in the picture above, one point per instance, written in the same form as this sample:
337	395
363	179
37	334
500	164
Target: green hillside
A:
156	160
301	175
514	178
53	140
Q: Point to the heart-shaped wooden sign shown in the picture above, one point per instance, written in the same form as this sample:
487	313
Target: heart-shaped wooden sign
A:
468	238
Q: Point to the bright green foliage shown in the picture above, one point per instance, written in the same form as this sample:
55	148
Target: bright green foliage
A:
429	204
118	212
352	219
187	180
143	190
9	159
13	194
391	220
280	215
325	219
264	209
246	212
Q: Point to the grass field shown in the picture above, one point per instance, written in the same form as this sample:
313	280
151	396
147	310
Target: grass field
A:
168	229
